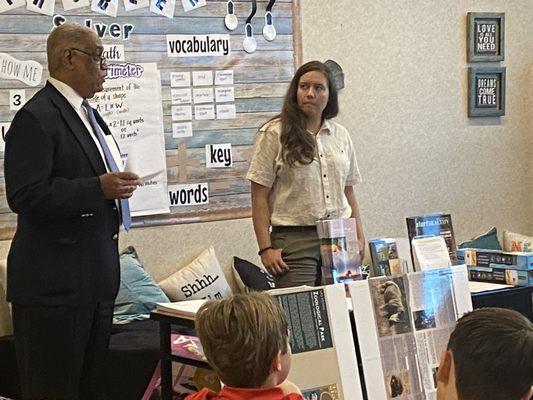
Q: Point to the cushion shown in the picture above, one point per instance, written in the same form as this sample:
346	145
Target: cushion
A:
138	293
251	277
488	240
517	242
6	326
201	279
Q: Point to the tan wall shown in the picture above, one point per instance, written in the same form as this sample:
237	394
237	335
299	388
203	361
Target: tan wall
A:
405	104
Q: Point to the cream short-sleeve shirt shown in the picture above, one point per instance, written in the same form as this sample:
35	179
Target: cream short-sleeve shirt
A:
303	194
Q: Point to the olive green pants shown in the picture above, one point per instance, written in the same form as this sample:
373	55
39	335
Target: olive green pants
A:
301	252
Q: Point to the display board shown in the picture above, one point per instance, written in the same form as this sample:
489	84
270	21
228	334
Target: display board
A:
214	94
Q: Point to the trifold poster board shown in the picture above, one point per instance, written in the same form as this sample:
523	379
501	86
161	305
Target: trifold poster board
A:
324	359
403	323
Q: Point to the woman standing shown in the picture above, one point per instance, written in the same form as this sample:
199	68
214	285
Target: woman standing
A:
303	169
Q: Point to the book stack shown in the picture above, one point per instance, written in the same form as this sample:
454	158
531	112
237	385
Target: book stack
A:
511	268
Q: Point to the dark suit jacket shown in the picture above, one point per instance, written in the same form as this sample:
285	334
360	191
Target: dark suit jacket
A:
65	249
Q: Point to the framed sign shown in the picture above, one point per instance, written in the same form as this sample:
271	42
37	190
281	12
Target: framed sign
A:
485	37
486	92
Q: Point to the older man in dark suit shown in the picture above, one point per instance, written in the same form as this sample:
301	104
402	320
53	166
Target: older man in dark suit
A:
63	179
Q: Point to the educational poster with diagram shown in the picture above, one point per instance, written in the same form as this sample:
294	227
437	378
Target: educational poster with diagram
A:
189	85
137	126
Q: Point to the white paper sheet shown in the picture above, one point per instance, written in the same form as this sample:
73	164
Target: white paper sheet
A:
137	125
224	94
431	252
141	160
204	112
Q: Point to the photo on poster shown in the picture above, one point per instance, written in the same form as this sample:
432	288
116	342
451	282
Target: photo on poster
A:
390	305
327	392
398	386
424	319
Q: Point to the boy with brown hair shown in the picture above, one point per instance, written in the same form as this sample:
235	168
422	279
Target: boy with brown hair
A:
489	357
245	339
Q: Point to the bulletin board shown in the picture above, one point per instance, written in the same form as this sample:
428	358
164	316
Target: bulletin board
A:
210	155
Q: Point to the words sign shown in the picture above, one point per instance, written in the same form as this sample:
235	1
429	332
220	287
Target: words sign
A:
190	194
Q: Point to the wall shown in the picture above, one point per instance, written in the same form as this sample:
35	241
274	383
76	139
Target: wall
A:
405	104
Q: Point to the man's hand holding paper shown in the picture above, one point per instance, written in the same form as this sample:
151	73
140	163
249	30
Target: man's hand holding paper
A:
119	185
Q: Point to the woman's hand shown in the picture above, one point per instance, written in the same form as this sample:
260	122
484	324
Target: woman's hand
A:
273	261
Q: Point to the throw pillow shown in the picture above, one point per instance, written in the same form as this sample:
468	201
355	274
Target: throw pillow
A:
138	293
517	242
250	277
201	279
488	240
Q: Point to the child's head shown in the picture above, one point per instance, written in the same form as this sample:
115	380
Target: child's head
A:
489	356
245	340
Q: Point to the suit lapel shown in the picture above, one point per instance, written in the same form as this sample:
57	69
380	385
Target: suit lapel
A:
78	129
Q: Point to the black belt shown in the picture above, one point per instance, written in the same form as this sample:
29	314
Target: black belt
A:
286	229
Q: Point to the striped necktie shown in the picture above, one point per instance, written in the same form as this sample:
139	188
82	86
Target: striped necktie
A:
110	161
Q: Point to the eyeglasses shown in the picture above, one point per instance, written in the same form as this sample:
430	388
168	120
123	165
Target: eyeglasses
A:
96	58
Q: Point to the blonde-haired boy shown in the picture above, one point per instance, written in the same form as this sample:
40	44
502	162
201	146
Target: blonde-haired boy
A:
245	340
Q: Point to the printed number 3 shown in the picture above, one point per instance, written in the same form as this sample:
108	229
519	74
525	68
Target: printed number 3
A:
17	100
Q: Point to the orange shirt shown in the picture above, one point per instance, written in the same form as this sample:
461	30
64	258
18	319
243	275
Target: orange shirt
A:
231	393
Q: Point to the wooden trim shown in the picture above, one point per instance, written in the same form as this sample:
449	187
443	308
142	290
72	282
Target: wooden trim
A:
297	34
192	217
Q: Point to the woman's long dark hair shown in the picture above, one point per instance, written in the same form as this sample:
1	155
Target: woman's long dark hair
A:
298	145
